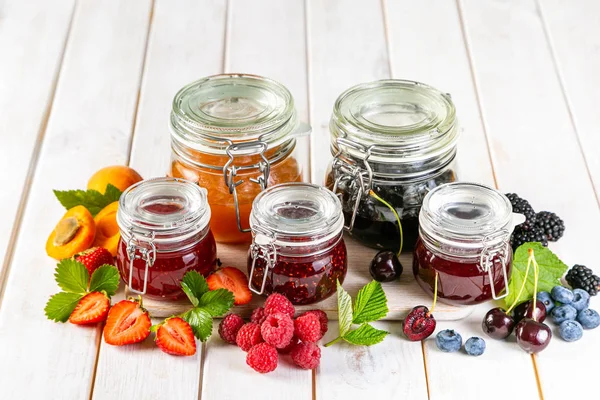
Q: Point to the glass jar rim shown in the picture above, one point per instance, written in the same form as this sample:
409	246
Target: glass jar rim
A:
217	111
163	209
394	121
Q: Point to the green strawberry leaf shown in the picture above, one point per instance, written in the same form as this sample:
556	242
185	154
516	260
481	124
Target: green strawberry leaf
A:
370	304
60	306
72	276
216	302
112	194
91	199
194	286
201	322
106	278
344	309
365	335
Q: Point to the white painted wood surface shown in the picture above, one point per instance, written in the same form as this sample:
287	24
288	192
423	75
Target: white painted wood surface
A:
522	73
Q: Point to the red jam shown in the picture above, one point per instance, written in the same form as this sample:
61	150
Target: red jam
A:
459	283
303	280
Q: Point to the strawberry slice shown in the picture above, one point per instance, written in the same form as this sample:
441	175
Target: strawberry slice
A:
175	336
93	308
94	258
127	323
233	280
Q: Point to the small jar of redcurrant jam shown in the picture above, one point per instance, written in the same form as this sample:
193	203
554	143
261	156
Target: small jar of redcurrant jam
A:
464	243
165	233
297	243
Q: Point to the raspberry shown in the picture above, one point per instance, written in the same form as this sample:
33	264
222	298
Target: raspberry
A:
293	343
306	355
248	336
262	358
279	303
308	328
229	327
277	330
258	316
322	319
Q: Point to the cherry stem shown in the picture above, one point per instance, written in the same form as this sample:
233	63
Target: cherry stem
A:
435	287
372	193
522	287
535	282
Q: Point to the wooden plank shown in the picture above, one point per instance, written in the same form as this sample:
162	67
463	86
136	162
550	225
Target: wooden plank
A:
32	41
186	43
89	127
535	147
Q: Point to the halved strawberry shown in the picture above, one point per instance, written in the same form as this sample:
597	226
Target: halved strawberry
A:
94	258
91	309
127	323
233	280
175	336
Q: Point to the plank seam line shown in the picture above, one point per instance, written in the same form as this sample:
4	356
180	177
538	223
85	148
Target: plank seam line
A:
467	43
387	35
203	348
307	44
425	368
566	99
99	330
227	36
35	154
537	376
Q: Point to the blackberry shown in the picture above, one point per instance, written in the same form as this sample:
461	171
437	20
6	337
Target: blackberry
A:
523	235
581	277
522	206
551	224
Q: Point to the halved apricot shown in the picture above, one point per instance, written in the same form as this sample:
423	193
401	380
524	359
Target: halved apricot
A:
119	176
74	233
107	230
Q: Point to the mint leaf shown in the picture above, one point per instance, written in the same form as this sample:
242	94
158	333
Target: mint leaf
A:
194	286
365	335
344	309
93	200
550	271
216	302
61	305
370	304
72	276
105	278
112	193
201	322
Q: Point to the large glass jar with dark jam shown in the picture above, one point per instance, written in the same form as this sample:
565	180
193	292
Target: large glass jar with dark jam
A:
165	233
464	241
234	135
298	247
398	139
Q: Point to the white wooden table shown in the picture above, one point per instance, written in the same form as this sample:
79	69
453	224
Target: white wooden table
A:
89	83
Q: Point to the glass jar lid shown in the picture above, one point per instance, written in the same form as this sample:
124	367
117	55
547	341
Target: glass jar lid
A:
395	121
215	112
293	214
466	216
165	209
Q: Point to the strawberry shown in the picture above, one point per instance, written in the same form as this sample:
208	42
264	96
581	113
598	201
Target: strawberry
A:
127	323
91	309
175	336
94	258
233	280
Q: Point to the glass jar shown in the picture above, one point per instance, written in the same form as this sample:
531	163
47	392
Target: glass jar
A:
164	234
234	135
464	238
297	231
397	138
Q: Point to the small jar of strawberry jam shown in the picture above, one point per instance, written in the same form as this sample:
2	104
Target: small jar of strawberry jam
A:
165	233
297	246
464	240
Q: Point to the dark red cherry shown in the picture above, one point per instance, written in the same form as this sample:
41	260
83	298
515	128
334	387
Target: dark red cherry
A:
525	310
497	323
532	336
385	266
419	324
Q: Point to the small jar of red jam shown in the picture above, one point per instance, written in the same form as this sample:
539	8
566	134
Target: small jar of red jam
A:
297	246
464	239
165	233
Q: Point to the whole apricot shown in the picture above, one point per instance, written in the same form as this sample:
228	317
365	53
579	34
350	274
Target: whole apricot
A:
107	230
74	233
119	176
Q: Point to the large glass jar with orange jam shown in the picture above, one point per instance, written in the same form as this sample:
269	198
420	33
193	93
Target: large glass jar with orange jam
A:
234	135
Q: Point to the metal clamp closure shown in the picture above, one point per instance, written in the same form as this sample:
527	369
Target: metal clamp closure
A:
263	247
135	251
486	263
230	171
361	176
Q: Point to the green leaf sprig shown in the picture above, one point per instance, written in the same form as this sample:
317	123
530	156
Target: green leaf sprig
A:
74	279
370	305
91	199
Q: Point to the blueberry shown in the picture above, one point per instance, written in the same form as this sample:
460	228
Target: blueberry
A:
448	341
570	331
581	299
545	298
563	313
588	318
475	346
562	294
